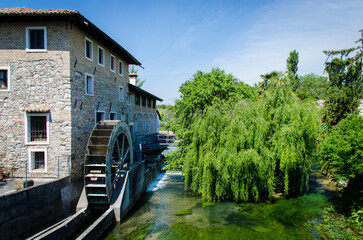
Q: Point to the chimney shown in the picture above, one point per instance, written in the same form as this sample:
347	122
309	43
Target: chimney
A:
133	77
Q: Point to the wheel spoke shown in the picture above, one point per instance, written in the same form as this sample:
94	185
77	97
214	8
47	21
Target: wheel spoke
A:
127	152
123	146
118	149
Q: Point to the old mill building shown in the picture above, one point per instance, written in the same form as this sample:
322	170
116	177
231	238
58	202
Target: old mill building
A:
59	76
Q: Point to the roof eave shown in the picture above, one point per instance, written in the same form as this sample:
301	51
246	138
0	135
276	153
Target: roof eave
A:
139	90
80	21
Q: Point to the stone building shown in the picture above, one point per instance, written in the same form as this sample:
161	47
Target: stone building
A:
59	75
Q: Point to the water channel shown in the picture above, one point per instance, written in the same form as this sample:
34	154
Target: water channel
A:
167	211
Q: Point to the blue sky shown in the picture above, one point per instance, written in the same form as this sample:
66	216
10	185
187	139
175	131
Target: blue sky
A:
174	39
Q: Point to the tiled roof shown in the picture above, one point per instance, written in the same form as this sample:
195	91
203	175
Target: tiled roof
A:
30	11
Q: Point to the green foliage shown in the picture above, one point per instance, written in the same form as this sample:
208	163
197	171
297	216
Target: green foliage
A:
214	88
334	228
341	148
174	160
345	76
266	78
341	153
245	151
166	114
313	87
292	67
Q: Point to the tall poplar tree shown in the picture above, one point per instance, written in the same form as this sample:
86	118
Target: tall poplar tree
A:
292	67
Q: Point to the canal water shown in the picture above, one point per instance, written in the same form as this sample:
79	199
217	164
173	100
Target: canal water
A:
166	211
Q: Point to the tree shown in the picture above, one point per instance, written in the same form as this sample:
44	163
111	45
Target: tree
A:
235	146
214	88
266	78
313	87
247	150
341	153
166	114
292	67
346	84
139	82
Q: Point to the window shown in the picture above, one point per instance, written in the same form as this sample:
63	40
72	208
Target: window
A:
89	49
120	68
36	39
113	116
37	128
37	160
129	99
144	101
101	56
112	63
123	117
99	116
149	102
89	84
121	95
144	125
137	99
4	78
154	103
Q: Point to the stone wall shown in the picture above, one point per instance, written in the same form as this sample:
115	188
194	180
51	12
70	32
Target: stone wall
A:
106	92
28	211
38	80
55	80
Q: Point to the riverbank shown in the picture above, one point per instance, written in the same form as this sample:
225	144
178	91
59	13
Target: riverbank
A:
333	225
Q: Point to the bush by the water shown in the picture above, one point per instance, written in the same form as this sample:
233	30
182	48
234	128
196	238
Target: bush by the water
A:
341	154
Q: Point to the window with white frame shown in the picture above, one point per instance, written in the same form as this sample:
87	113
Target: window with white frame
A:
112	63
38	160
88	49
4	78
113	116
121	94
101	56
120	68
37	128
89	84
36	39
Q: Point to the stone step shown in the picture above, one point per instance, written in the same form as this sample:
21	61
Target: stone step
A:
95	185
95	175
96	195
95	165
101	132
98	146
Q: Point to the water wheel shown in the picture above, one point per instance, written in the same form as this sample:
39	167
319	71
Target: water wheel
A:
109	153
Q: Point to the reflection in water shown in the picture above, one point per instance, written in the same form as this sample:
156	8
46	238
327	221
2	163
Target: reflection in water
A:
167	211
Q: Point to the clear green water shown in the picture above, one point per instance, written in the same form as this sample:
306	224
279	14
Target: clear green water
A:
166	211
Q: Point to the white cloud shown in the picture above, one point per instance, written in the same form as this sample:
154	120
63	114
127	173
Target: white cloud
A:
307	26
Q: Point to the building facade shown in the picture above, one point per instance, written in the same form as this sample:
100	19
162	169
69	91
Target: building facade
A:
59	75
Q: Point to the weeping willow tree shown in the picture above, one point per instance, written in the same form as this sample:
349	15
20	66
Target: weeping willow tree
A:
248	151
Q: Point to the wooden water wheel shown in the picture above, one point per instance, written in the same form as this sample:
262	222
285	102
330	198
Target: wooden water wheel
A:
109	153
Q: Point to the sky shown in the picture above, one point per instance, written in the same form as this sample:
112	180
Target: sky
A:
174	39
